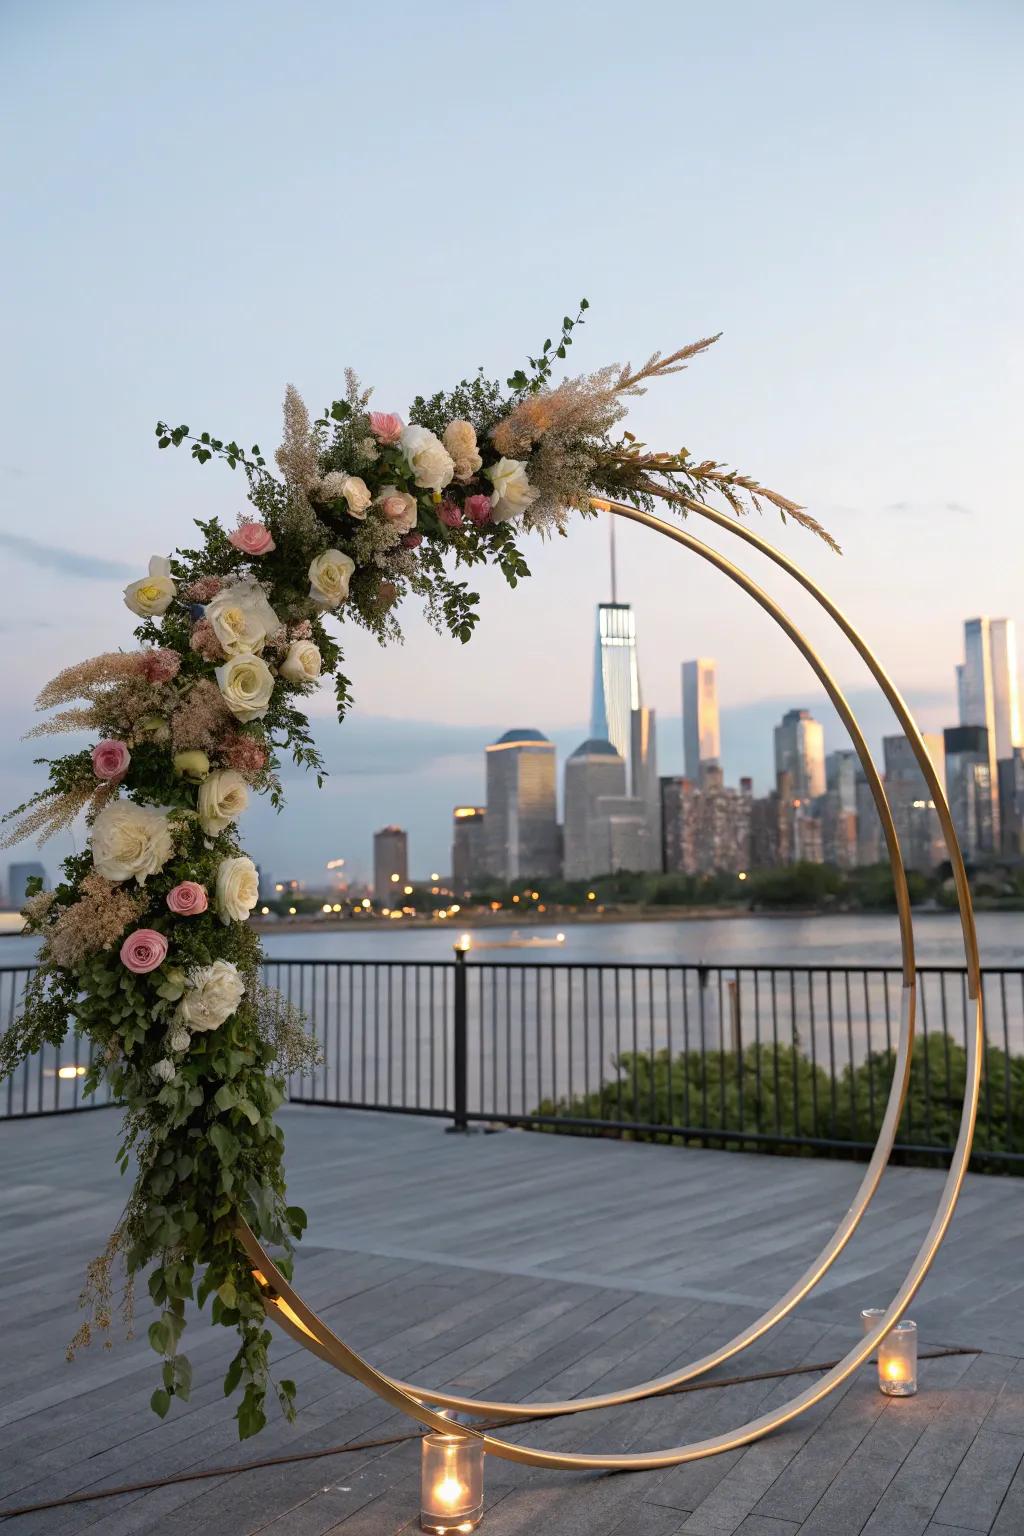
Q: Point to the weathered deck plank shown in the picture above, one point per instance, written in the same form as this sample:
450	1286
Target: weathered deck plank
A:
520	1265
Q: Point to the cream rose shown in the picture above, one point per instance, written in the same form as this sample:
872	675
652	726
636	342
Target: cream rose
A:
246	683
238	889
427	457
512	492
155	593
164	1071
398	507
355	491
242	619
130	841
222	799
213	993
329	576
179	1039
460	441
302	663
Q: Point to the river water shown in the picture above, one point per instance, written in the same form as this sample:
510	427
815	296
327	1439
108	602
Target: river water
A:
854	939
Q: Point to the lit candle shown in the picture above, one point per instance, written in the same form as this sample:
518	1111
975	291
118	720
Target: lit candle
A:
897	1360
451	1483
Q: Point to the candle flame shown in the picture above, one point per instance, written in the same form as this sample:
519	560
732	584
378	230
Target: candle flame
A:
449	1491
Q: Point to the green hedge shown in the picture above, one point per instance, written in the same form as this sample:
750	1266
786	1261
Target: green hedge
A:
781	1092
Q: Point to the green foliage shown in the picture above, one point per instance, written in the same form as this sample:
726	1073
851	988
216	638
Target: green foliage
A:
205	447
541	367
478	400
782	1093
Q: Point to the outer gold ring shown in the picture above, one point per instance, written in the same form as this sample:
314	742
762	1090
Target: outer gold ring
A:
283	1303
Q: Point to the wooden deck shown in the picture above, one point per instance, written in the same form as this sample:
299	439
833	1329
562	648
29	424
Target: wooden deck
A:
515	1265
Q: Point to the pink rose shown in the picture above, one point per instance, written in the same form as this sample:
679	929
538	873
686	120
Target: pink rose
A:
110	760
398	508
252	538
187	900
143	951
385	426
450	514
478	510
412	540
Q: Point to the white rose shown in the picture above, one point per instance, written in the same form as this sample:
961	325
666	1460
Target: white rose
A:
155	593
164	1071
242	619
398	508
431	463
246	683
355	491
179	1039
222	799
460	441
512	490
214	993
130	840
238	889
329	576
302	663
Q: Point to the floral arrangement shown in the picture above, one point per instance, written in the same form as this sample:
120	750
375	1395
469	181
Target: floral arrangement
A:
145	947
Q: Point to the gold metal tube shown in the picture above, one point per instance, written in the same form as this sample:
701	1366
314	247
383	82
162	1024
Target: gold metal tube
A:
412	1399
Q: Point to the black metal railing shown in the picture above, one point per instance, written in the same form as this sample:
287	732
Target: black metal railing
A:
51	1082
784	1058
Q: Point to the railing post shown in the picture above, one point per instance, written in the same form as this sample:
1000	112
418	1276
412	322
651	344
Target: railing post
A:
460	1046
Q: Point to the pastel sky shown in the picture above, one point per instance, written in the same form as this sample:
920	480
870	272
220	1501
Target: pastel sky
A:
202	203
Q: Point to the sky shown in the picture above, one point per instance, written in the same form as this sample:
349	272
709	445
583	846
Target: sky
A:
204	203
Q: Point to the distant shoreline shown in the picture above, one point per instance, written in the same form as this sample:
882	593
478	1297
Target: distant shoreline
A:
533	919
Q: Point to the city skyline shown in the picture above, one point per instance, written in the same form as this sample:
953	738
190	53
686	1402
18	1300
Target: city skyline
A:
604	803
430	840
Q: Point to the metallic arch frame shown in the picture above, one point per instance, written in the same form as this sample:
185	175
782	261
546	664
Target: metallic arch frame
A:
286	1307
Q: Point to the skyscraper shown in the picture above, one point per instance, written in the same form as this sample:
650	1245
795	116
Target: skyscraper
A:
594	771
18	876
841	777
701	739
800	751
707	827
988	685
469	847
988	691
522	833
969	788
644	777
616	676
911	802
390	862
1011	803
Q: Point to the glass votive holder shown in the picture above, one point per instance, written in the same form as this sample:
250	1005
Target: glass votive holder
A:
897	1360
869	1317
451	1483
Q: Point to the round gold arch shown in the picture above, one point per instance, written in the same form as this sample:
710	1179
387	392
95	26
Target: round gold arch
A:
286	1307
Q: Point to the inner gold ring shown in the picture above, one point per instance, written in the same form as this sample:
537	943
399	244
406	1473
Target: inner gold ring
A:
287	1308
